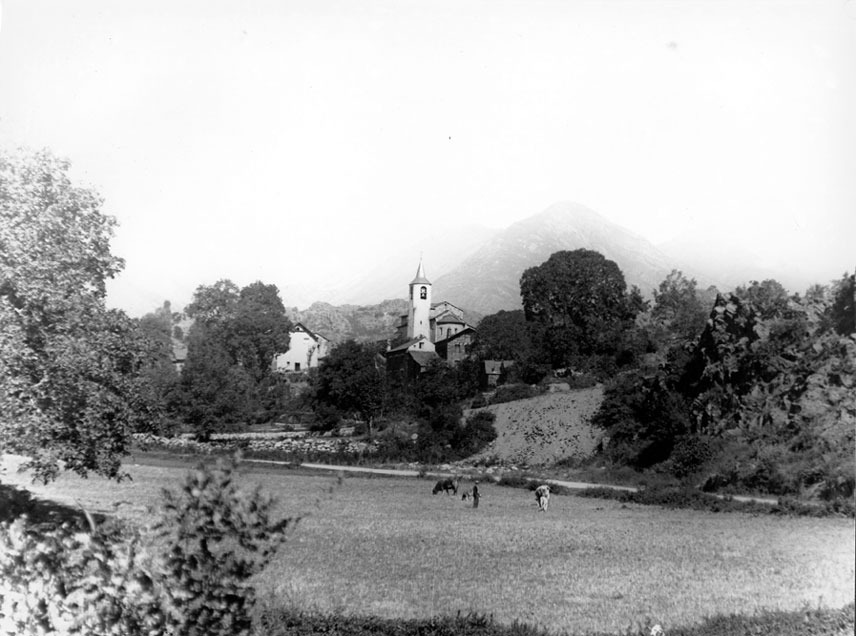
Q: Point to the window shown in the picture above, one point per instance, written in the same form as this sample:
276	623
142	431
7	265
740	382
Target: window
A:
423	292
297	366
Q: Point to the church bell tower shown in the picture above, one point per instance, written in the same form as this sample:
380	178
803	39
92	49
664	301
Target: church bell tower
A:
419	314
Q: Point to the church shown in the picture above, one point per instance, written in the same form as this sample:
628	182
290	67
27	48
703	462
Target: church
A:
429	331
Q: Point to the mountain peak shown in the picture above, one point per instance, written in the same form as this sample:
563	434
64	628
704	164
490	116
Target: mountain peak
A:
489	280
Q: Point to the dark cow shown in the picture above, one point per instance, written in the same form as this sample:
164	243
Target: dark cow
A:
446	485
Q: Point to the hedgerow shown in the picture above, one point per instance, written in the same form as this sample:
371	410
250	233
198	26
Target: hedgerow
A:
682	497
806	622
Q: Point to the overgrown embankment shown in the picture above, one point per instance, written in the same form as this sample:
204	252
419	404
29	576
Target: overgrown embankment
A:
544	429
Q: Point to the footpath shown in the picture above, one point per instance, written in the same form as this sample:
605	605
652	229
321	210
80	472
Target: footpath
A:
400	472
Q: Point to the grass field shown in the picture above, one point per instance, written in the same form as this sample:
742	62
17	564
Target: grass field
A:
386	546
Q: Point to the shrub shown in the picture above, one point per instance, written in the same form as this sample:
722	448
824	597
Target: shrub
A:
581	381
192	578
684	497
511	392
478	431
517	480
478	402
690	454
68	581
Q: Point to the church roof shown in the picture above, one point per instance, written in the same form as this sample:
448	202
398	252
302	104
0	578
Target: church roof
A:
420	276
449	317
409	343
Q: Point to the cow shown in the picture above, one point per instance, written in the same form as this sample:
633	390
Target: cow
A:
542	496
446	485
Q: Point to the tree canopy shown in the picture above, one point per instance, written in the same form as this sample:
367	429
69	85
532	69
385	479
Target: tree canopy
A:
352	380
678	307
503	336
228	377
70	387
579	304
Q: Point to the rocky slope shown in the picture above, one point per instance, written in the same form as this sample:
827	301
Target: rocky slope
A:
365	323
544	429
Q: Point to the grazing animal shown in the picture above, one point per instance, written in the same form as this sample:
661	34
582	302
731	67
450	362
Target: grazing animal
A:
542	496
446	485
466	495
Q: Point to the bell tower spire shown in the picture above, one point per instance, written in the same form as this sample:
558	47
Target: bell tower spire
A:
419	315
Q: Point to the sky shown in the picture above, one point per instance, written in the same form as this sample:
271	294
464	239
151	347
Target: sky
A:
296	142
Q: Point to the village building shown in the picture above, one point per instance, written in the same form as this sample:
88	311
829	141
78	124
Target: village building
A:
305	350
428	331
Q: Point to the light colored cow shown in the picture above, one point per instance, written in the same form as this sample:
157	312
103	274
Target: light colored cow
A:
542	496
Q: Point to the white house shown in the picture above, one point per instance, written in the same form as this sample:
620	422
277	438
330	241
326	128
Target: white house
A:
305	351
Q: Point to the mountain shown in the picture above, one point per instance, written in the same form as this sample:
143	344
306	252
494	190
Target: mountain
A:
489	279
366	323
441	251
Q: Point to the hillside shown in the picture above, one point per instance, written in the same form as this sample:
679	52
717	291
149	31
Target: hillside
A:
545	429
365	323
489	280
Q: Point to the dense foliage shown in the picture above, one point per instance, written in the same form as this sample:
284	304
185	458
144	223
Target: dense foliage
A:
192	577
578	309
228	380
71	387
763	399
351	380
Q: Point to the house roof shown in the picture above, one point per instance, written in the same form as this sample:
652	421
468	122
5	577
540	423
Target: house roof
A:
301	327
420	276
406	345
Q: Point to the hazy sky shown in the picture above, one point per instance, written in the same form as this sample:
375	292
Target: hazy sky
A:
295	142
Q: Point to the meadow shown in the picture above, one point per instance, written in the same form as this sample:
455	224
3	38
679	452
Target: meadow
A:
387	547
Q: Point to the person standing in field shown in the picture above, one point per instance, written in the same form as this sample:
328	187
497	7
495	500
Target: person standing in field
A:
476	495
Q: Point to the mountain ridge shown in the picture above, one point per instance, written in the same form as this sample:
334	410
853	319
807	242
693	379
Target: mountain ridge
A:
488	280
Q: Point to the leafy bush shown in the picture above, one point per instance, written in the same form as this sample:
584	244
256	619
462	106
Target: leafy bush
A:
478	402
192	576
690	454
478	431
581	381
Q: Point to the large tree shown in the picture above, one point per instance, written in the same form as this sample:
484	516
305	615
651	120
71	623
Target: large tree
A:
678	307
351	379
227	378
578	303
503	336
70	387
160	373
